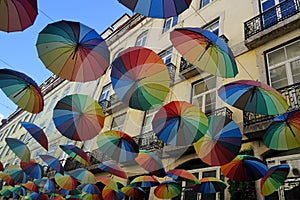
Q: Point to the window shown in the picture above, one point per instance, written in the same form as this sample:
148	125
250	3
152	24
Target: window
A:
169	23
213	27
104	96
205	93
166	55
204	3
141	39
118	122
147	124
284	65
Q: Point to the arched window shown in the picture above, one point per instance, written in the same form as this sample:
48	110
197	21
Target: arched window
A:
141	39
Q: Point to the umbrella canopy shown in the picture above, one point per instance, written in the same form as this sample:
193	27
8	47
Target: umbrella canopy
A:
7	178
91	189
134	192
17	15
182	173
83	176
32	168
18	190
22	90
162	9
284	132
66	182
30	186
1	166
19	148
274	178
78	117
205	50
92	197
140	78
253	96
112	168
5	191
144	181
49	186
37	133
221	143
40	182
168	189
151	162
179	123
76	153
38	196
210	185
108	194
73	51
53	162
118	145
15	172
244	168
109	182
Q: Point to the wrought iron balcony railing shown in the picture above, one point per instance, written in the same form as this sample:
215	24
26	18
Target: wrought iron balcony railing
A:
148	141
271	17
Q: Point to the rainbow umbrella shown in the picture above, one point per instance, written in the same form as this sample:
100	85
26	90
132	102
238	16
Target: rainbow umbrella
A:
7	178
162	9
108	194
49	186
57	198
118	145
32	168
17	15
5	191
140	78
53	162
19	148
66	182
221	143
76	153
15	172
274	178
179	123
78	117
22	90
83	176
144	181
151	162
109	182
253	96
134	192
112	168
92	197
91	189
205	50
18	190
244	168
70	192
40	182
37	133
182	173
210	185
38	196
168	189
30	186
73	51
284	132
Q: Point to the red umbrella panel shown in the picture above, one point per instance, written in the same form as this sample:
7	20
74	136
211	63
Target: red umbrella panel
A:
33	169
17	15
30	186
37	133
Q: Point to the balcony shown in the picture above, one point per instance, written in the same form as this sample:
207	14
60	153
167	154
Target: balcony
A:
187	70
172	71
148	141
108	105
255	125
272	23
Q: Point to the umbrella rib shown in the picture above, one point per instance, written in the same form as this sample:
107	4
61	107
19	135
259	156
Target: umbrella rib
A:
288	124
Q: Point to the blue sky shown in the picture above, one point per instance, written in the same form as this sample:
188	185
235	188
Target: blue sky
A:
18	51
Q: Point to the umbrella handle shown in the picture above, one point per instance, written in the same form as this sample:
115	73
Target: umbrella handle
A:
75	51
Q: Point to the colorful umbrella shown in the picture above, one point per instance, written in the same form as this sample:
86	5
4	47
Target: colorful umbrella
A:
134	192
17	15
5	191
22	90
7	178
118	145
83	176
244	168
151	162
112	168
18	190
53	162
30	186
108	194
168	189
37	133
78	117
179	123
109	182
140	78
40	182
49	186
210	185
32	168
162	9
284	132
91	197
274	178
253	96
91	189
38	196
76	153
1	166
70	192
182	173
144	181
221	143
66	182
73	51
19	148
15	172
205	50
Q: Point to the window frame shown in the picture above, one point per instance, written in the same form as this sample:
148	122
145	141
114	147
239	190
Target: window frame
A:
203	3
171	25
118	127
142	39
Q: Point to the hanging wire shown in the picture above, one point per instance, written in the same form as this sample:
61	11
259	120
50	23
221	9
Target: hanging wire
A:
6	63
41	11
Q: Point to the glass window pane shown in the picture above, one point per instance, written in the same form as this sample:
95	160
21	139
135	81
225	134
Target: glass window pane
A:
210	100
212	173
175	21
295	67
199	88
277	56
293	50
278	77
118	122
